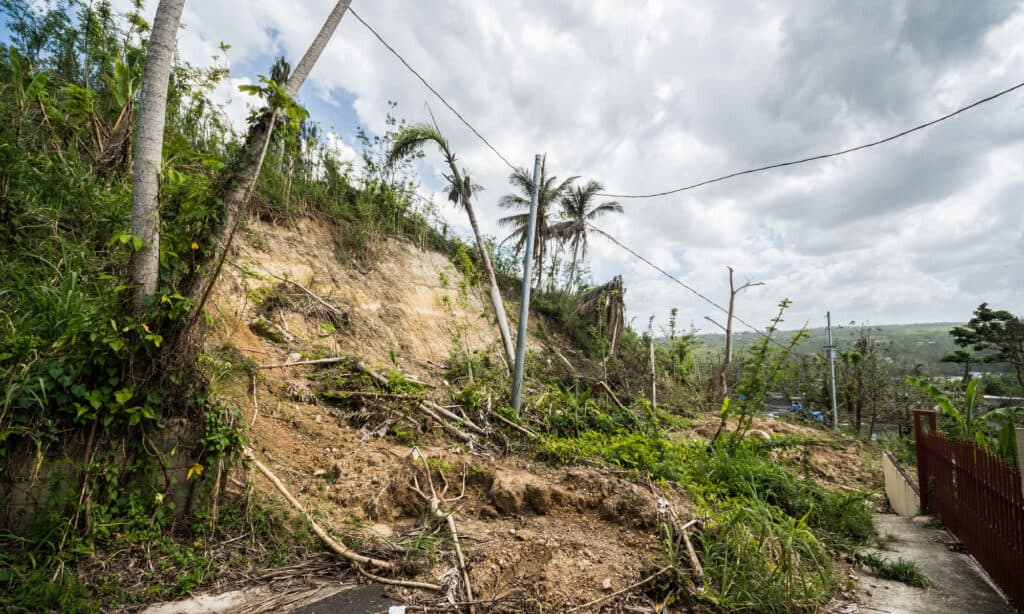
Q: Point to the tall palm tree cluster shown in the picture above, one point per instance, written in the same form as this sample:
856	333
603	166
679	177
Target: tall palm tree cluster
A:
564	213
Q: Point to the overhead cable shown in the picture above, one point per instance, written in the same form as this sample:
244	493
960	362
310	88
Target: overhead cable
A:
699	295
431	88
822	156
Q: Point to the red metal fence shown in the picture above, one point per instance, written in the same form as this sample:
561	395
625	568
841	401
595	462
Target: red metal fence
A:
978	497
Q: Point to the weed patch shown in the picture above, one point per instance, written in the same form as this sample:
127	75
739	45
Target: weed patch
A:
901	570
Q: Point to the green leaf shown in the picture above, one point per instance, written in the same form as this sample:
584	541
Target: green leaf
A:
123	395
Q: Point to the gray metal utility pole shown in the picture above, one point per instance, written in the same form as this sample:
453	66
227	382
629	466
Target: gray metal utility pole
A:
524	304
832	366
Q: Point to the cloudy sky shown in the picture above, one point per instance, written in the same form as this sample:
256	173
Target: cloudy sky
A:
649	95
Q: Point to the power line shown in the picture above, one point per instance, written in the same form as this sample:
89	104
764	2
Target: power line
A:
707	181
688	187
822	156
676	279
431	88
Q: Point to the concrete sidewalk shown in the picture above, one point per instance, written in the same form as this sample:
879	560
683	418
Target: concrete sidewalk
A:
958	585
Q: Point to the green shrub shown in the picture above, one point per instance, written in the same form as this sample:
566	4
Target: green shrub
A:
746	472
757	558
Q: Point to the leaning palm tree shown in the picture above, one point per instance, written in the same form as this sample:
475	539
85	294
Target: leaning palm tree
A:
578	211
240	178
549	191
460	191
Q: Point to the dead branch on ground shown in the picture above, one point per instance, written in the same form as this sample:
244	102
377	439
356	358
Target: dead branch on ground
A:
433	501
337	547
318	361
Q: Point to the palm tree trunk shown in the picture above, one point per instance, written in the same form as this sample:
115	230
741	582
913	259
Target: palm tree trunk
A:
149	142
301	72
572	267
499	305
254	152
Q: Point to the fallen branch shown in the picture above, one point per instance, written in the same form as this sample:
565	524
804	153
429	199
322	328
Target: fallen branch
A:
572	369
318	361
338	548
694	561
333	309
604	385
619	592
466	437
453	416
406	583
434	501
385	381
521	429
377	377
255	404
342	394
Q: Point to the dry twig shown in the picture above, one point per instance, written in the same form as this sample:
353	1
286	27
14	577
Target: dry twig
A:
604	385
521	429
318	361
619	592
463	436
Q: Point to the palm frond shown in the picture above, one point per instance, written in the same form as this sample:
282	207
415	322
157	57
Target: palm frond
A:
513	201
412	137
609	207
519	220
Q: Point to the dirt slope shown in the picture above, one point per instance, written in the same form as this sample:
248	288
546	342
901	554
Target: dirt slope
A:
407	301
533	535
536	538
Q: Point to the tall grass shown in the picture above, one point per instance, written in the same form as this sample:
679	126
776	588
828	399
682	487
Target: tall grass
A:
758	558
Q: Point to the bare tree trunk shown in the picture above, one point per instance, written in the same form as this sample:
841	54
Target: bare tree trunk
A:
723	385
538	252
244	180
860	398
496	301
149	142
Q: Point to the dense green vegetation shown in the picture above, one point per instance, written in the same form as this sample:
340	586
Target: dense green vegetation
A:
82	377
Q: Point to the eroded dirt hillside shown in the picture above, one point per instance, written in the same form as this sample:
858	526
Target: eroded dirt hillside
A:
397	302
535	537
532	534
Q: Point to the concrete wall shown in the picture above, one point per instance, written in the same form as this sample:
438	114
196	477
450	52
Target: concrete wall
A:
900	487
32	480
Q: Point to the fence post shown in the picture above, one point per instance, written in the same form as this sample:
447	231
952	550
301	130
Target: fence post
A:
922	455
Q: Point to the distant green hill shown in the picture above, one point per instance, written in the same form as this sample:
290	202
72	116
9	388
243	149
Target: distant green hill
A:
906	345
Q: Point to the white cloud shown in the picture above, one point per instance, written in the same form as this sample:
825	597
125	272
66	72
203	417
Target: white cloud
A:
650	95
